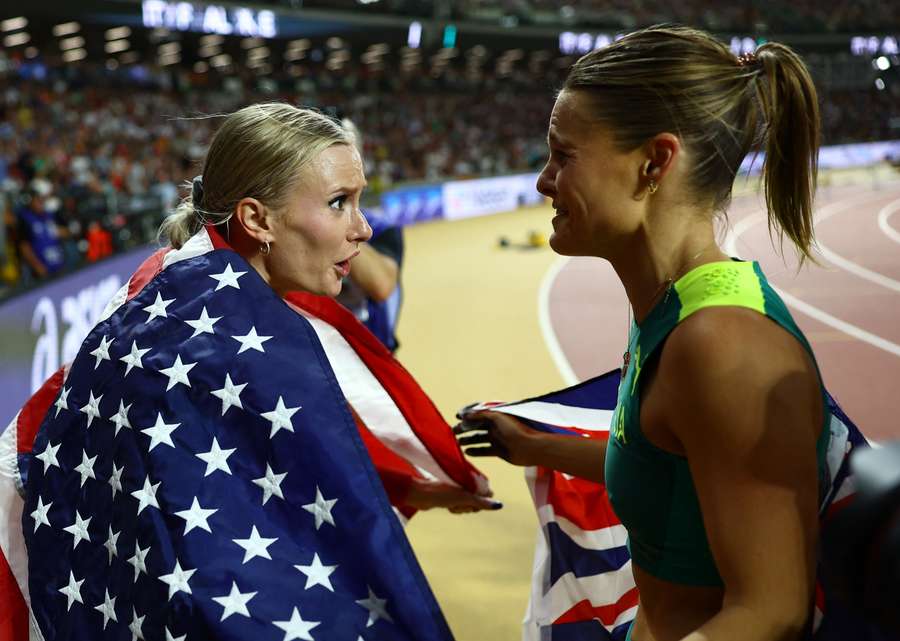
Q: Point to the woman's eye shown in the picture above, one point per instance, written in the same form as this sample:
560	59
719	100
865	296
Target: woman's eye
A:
338	203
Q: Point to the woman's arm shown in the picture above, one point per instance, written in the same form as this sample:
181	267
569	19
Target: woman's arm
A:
498	434
744	400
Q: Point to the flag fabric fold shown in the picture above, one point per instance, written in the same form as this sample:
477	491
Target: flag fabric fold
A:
582	584
233	497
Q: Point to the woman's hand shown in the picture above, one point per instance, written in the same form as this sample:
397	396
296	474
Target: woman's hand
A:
498	434
426	494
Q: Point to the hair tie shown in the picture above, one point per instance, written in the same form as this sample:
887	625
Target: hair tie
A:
747	60
197	191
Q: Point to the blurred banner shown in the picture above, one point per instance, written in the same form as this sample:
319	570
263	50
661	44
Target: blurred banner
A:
43	328
861	154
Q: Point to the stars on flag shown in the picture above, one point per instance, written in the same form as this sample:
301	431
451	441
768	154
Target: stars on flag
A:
79	529
160	432
321	509
296	627
216	458
133	358
235	602
317	573
177	580
196	517
62	403
72	591
139	560
255	545
227	278
201	368
377	608
110	544
158	308
136	624
178	373
115	479
48	456
270	484
92	409
146	496
39	515
101	352
86	467
107	608
230	394
251	340
280	417
204	324
120	418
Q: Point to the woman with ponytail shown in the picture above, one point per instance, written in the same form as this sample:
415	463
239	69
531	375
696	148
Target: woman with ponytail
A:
716	458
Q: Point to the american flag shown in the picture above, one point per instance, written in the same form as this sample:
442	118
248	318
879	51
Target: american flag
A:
582	583
197	472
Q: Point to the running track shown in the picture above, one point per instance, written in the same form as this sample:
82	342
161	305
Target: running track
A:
848	306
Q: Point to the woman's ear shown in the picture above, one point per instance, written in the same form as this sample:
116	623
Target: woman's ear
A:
255	219
662	154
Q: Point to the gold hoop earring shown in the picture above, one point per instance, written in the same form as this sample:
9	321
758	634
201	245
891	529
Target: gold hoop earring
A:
652	186
265	249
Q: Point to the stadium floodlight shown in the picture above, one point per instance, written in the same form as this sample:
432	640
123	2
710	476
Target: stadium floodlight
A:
294	54
74	42
381	48
879	84
259	53
117	33
414	37
16	39
302	43
222	60
251	43
74	55
66	29
210	41
882	63
172	59
14	24
116	46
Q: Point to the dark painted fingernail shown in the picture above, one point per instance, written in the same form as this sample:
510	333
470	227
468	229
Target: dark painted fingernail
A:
496	505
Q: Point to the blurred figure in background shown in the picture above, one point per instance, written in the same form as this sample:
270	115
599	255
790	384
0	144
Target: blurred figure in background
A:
39	234
372	291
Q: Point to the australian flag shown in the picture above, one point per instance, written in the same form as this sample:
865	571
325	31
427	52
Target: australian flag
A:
582	583
199	475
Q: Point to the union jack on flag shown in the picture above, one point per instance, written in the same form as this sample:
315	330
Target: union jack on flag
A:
582	583
197	472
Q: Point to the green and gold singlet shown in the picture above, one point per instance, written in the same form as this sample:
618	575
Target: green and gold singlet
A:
651	490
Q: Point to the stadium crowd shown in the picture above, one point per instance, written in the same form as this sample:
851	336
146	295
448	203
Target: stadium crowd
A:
91	158
744	16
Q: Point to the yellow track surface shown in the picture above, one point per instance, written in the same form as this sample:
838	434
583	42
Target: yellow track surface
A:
469	332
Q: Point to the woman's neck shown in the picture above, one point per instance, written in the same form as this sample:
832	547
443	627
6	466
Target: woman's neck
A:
658	257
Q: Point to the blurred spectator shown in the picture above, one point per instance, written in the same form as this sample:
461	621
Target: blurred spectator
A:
99	242
38	234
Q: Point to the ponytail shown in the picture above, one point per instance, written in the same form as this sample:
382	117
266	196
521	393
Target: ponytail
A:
182	223
790	109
